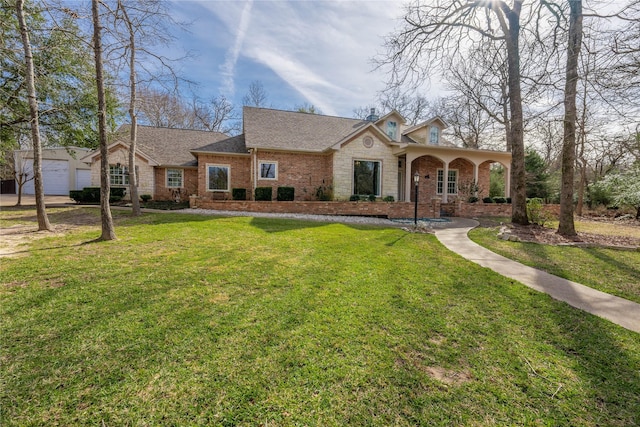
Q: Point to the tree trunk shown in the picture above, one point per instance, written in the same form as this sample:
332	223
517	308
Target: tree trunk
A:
133	177
43	219
516	129
108	231
566	226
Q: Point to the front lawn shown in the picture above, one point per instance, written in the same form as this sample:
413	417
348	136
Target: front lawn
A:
195	320
608	270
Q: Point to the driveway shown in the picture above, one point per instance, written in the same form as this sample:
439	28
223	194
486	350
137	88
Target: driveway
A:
30	200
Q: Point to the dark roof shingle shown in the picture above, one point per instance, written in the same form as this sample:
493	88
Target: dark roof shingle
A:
289	130
170	147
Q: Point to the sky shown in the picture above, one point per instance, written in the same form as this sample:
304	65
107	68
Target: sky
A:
314	52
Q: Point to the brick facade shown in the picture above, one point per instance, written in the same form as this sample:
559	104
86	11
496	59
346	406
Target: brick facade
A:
239	175
304	172
189	185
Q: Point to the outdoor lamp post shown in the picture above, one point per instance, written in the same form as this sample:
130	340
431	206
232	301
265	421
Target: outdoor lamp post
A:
416	180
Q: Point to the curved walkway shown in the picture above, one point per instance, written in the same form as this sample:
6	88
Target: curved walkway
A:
618	310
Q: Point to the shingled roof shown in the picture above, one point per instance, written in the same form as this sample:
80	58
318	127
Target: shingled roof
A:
170	147
235	145
293	131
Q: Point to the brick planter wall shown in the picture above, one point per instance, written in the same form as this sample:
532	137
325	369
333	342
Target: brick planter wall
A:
391	210
379	209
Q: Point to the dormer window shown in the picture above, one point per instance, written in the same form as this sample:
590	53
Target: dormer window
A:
392	128
434	135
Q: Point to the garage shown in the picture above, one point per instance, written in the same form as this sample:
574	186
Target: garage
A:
62	169
83	178
55	177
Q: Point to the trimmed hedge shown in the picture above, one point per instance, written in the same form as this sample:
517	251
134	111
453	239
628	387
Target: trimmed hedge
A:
285	194
499	200
264	194
92	194
239	193
487	200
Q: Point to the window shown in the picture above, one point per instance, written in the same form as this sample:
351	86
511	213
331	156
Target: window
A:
218	177
268	170
391	129
452	181
174	178
118	175
366	177
434	135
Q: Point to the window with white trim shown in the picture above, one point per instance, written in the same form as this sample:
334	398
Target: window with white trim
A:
366	177
452	181
218	177
118	175
392	128
434	135
268	170
175	178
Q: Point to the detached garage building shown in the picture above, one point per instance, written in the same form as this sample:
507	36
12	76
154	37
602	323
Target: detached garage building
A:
62	170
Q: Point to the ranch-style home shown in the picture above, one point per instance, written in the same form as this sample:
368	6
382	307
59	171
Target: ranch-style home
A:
378	156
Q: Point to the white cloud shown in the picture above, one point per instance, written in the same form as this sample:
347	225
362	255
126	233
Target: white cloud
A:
231	58
318	51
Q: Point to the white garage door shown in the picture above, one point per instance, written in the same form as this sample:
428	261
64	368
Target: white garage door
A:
83	178
55	176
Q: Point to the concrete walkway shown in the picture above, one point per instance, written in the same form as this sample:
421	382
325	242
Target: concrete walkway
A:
618	310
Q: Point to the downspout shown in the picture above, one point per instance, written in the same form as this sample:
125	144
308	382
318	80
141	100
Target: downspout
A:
254	167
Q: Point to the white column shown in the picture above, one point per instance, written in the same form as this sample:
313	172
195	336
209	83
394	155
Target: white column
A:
445	182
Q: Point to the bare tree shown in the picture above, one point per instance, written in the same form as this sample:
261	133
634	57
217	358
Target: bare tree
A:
257	96
566	225
108	230
441	28
43	219
219	115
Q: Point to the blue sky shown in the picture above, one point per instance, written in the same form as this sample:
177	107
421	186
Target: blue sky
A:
304	52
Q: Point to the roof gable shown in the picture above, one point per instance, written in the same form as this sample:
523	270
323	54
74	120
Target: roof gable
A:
434	120
393	114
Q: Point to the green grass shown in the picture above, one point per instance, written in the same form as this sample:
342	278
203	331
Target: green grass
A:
613	271
193	320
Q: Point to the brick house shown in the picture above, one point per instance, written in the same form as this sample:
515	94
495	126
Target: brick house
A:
309	152
165	167
379	156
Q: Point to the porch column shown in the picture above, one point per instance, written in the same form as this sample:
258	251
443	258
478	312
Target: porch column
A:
408	176
445	182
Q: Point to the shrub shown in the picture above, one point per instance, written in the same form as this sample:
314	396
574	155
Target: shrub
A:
536	212
509	200
372	197
145	197
354	198
473	199
264	193
487	200
389	199
239	193
92	194
324	193
499	200
285	194
76	195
